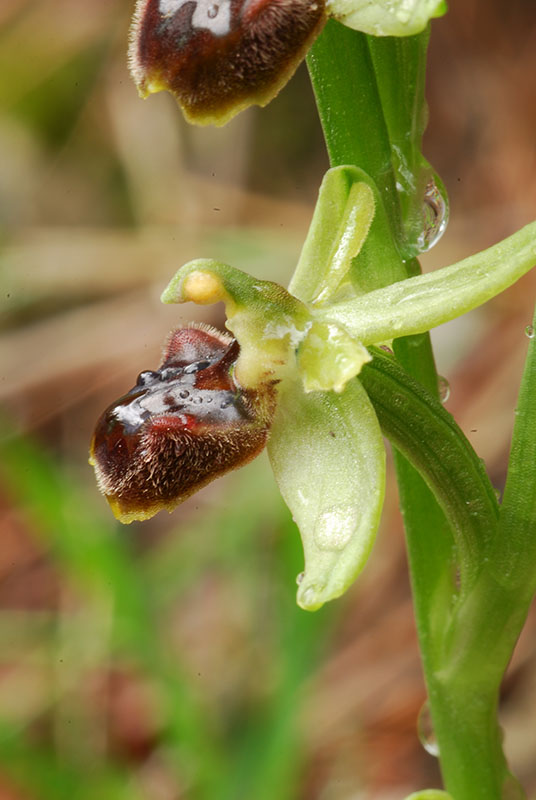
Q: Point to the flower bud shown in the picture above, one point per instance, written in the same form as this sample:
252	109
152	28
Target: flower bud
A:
219	56
180	427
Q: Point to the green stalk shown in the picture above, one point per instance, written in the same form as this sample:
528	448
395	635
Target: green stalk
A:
492	616
363	117
350	109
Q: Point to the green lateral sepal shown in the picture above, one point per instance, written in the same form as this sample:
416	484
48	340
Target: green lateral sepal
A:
328	458
343	214
418	304
349	235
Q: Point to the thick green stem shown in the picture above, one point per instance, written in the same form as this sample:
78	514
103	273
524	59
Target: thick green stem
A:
350	108
363	119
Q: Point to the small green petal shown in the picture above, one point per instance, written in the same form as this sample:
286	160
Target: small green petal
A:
381	18
328	458
418	304
328	358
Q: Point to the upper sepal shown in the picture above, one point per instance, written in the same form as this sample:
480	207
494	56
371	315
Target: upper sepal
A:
179	427
219	56
391	18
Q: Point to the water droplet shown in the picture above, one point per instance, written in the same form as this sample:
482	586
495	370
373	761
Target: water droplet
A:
435	212
299	577
147	376
184	393
196	366
308	598
209	399
334	527
197	400
169	373
425	730
213	11
444	389
529	332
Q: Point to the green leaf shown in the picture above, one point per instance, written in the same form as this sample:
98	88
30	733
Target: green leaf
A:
328	458
513	555
420	303
394	18
427	435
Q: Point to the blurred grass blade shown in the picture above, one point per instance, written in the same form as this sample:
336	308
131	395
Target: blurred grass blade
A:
93	554
38	771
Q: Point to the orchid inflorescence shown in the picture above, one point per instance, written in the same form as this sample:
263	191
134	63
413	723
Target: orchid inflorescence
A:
289	376
218	57
322	371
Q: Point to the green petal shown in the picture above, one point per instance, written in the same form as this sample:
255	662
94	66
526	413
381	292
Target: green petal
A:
417	304
381	18
328	458
328	358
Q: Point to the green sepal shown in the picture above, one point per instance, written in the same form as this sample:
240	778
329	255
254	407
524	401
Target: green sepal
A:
420	303
328	458
343	214
350	233
394	18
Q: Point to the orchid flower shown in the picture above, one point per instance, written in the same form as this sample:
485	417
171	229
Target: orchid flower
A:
218	57
291	375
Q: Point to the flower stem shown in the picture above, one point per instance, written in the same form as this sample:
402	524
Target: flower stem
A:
466	638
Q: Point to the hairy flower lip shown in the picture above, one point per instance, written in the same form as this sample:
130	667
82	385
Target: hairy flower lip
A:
179	427
217	59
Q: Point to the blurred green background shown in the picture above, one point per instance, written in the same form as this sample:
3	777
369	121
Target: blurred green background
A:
167	659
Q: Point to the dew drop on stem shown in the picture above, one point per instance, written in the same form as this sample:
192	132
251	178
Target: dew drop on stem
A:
444	389
425	730
435	212
529	332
